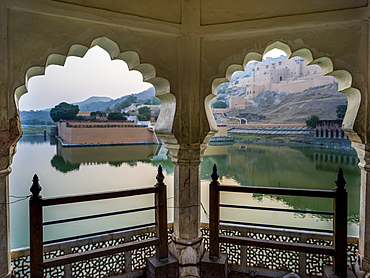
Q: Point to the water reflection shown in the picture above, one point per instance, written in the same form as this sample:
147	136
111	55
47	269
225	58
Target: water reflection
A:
256	165
66	171
70	159
274	166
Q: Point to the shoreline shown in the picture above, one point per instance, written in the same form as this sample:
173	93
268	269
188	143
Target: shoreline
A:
303	141
299	141
65	144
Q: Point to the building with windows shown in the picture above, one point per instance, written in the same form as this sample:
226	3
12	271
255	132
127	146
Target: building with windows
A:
329	129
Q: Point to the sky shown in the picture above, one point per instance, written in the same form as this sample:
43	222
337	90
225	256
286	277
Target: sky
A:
93	75
80	78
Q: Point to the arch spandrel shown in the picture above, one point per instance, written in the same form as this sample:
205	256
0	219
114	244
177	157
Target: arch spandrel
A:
343	77
305	54
252	56
131	58
147	70
108	45
77	50
56	59
231	69
325	64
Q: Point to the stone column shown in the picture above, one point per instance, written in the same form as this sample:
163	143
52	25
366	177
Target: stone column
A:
187	245
362	267
8	140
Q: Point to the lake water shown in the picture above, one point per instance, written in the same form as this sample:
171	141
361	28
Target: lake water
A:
68	171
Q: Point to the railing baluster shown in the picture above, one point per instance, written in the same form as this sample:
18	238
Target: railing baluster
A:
36	230
214	215
340	226
161	216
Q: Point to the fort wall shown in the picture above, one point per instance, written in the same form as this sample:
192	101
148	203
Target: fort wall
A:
105	133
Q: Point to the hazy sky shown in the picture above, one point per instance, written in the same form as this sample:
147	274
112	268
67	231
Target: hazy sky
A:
93	75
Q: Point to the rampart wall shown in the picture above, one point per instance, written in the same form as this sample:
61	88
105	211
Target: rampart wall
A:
105	133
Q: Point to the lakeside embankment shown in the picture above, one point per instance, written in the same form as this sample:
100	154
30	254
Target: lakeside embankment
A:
285	135
303	140
293	140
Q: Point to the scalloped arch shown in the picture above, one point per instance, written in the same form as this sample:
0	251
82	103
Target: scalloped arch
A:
162	86
343	77
131	58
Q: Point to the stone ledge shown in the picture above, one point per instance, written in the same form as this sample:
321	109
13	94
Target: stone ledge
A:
329	273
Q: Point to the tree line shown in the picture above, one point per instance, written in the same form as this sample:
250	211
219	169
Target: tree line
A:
66	111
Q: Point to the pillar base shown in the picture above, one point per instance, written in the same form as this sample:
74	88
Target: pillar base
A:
329	273
210	267
165	269
188	255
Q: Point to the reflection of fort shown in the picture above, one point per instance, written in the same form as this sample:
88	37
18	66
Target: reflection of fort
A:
107	154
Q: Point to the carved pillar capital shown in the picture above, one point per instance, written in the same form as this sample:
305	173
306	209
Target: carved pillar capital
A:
186	154
8	141
363	153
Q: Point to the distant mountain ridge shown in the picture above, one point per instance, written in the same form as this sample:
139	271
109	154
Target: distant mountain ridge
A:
99	105
91	104
93	99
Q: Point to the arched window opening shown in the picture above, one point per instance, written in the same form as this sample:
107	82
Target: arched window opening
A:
289	94
286	126
93	151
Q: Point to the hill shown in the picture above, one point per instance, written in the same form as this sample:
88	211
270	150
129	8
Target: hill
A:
35	117
91	104
282	108
102	105
92	100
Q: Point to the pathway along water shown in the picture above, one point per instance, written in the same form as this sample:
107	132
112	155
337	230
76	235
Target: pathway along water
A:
68	171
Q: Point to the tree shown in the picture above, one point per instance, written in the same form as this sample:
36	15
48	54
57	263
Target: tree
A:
219	104
341	111
132	99
144	117
153	101
125	103
97	113
116	116
312	121
144	110
64	111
